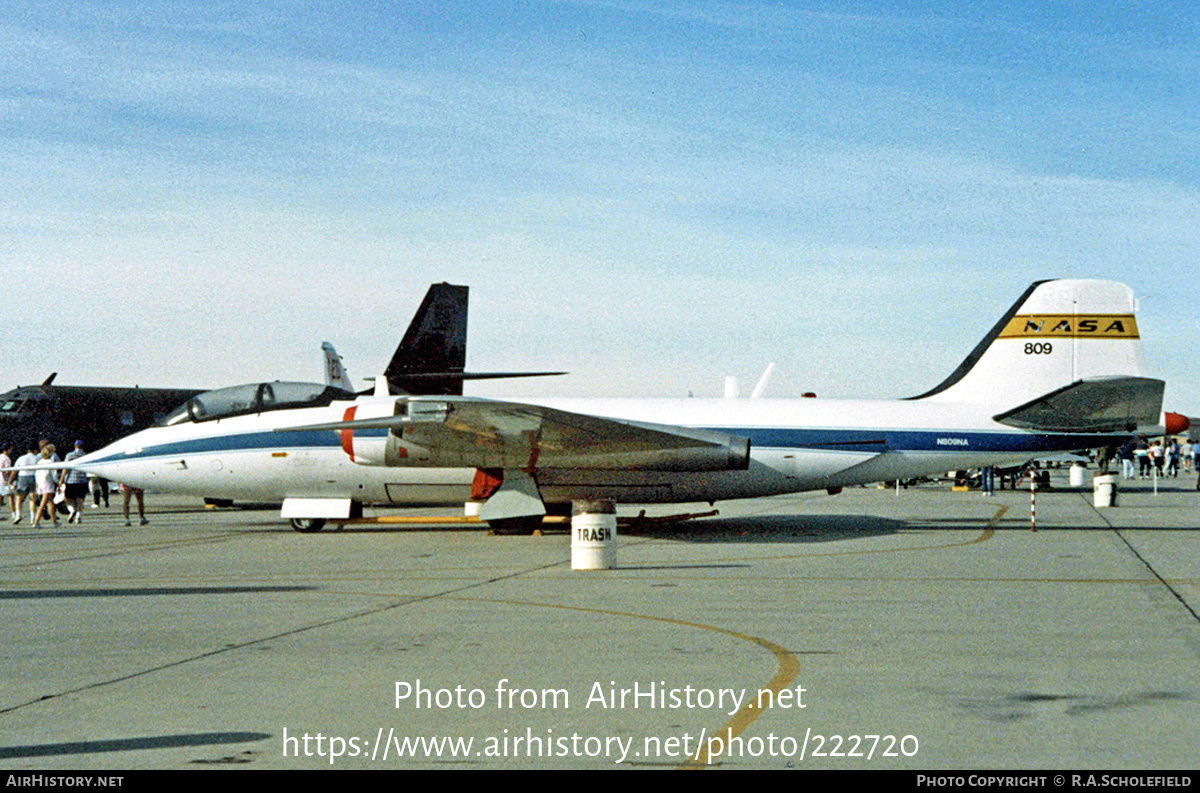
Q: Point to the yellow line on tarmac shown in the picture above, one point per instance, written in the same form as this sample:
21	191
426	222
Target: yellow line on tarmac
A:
429	519
789	667
988	532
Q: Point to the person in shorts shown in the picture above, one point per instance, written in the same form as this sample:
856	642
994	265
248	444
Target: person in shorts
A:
26	485
127	492
7	479
77	486
47	485
99	487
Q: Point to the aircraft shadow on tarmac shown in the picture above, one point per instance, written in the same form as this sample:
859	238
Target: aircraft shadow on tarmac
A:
812	528
107	592
770	529
755	529
131	744
1012	707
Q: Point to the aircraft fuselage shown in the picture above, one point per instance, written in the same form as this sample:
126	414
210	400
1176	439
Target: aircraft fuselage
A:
796	445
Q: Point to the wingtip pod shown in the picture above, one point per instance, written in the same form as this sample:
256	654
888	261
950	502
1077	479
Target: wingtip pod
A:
1176	423
1058	333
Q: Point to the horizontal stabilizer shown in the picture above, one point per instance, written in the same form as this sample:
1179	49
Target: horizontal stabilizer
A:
1110	404
432	356
460	376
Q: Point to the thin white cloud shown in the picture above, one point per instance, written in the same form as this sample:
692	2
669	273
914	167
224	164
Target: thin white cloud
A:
616	197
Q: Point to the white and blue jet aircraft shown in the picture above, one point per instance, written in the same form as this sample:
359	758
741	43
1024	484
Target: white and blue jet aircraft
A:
1061	370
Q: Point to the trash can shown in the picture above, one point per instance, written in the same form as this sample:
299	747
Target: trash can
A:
1078	475
1104	491
593	535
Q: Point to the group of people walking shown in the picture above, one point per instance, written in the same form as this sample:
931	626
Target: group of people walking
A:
44	489
1143	458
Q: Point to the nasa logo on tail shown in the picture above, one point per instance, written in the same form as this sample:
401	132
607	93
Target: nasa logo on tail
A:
1066	326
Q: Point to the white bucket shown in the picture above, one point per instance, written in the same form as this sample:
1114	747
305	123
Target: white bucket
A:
1104	491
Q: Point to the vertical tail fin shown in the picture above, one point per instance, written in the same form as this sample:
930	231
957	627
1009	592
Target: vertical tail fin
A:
335	372
434	344
1057	334
432	356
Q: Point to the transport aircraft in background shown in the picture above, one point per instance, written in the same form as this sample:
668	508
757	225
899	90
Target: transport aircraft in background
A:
1061	370
430	359
97	415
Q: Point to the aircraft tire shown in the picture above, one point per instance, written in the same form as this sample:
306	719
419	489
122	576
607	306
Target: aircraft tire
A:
308	525
525	525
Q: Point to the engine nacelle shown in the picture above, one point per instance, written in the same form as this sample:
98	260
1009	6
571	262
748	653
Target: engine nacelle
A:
371	446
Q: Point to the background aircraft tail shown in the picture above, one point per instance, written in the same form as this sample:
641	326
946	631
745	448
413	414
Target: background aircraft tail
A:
335	372
432	356
1066	355
434	348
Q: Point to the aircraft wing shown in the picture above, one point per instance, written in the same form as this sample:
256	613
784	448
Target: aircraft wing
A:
483	433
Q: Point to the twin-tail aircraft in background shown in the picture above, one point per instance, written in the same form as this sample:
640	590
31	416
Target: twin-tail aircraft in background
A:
1061	370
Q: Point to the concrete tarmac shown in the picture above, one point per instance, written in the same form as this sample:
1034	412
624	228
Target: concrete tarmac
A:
924	629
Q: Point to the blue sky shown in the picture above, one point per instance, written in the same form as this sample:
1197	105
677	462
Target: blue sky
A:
650	195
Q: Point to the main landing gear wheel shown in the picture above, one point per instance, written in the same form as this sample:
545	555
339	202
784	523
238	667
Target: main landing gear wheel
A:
526	524
308	525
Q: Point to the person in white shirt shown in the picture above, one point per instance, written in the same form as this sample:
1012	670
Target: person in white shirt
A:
47	483
7	490
26	485
77	486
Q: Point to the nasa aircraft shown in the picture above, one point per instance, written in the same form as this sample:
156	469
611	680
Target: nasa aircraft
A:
1061	370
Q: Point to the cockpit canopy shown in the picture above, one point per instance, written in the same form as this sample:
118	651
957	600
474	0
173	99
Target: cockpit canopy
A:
23	403
240	400
12	407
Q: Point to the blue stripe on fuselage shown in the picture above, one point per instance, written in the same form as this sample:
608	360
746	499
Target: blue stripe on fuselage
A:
243	442
844	440
879	441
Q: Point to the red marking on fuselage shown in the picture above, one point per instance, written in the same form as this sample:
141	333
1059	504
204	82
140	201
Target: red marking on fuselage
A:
531	464
487	481
348	434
